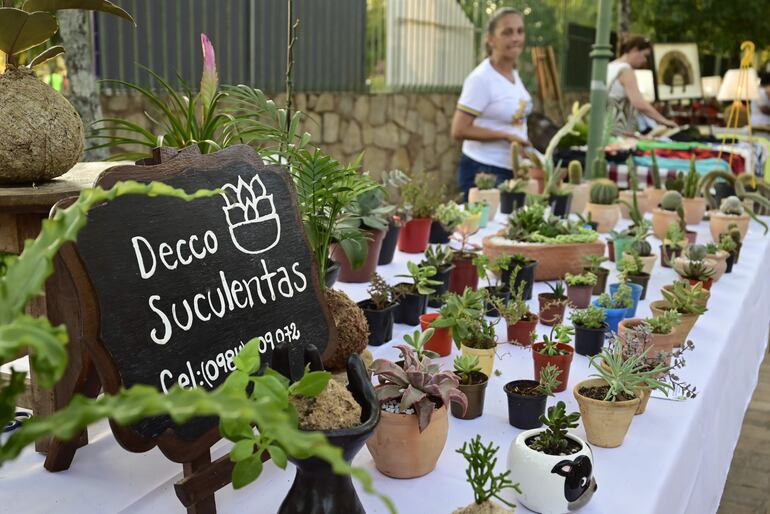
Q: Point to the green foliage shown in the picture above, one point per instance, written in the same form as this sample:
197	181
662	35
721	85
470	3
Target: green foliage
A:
465	366
531	224
422	196
549	380
696	252
726	243
458	309
514	185
450	215
675	236
421	281
675	184
671	201
594	262
491	270
559	334
485	180
590	317
686	298
626	376
583	279
516	308
620	300
604	192
665	322
480	472
697	270
438	256
369	210
642	247
631	265
380	292
655	171
599	167
417	342
557	290
690	188
553	440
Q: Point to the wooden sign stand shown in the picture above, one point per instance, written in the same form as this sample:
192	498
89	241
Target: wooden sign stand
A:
81	311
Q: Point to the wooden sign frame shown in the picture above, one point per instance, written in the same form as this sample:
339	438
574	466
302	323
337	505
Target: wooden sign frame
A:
100	372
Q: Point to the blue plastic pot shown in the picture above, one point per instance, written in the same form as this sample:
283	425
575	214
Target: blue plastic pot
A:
613	316
636	295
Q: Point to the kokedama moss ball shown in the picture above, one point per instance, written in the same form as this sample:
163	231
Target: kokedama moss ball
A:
352	329
41	135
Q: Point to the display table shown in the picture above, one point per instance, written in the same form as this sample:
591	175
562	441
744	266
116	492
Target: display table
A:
675	457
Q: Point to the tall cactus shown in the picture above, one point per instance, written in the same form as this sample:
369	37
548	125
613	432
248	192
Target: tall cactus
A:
655	172
599	167
515	156
690	188
633	182
575	172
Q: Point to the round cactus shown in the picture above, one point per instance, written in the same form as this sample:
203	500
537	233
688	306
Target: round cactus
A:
642	247
731	205
485	180
575	172
696	252
604	191
671	201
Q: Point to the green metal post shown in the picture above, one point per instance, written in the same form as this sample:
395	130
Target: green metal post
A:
600	55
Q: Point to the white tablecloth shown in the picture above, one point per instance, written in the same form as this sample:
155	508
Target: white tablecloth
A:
675	457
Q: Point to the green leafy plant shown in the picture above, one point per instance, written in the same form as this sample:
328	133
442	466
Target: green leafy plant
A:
549	380
631	265
369	210
392	182
421	281
491	269
450	215
726	243
590	317
675	237
516	309
458	309
557	290
665	322
380	292
438	256
626	376
535	224
421	196
553	440
417	342
712	248
480	472
594	262
559	334
485	180
686	298
620	300
479	333
465	366
514	185
475	207
583	279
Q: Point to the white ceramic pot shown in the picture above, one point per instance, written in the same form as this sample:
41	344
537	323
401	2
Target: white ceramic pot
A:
551	484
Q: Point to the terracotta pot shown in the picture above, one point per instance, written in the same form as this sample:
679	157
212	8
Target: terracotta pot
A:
399	449
463	275
661	220
605	423
718	261
486	357
492	196
601	279
364	272
648	262
680	332
653	197
562	362
706	283
718	223
643	394
694	209
389	242
414	235
606	216
519	332
538	175
475	394
441	340
581	193
551	310
641	203
579	296
554	260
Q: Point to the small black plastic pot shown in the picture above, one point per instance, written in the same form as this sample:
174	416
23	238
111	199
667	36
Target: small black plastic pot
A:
524	411
438	234
475	393
410	307
730	261
388	249
496	292
332	273
526	273
510	202
589	341
442	275
601	280
380	321
560	204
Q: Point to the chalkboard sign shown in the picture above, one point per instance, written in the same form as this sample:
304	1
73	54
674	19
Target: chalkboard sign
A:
182	286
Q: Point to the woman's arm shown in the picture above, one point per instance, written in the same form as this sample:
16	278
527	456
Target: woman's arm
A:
628	80
463	128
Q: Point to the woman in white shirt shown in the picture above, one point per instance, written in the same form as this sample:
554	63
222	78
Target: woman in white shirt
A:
760	108
494	104
624	99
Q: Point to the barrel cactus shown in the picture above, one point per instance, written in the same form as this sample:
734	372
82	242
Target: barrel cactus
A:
642	247
696	252
671	201
575	172
604	192
731	205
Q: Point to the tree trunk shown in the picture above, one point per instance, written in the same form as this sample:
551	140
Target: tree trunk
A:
624	21
76	30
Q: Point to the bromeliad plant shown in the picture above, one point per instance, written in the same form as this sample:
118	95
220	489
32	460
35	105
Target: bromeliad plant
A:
480	472
419	385
553	440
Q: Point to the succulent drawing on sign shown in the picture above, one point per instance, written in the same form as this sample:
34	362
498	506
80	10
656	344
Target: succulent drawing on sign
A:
254	225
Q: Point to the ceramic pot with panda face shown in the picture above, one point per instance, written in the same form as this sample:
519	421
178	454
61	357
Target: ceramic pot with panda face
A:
551	484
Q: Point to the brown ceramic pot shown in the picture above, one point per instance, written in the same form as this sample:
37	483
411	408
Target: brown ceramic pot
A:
400	450
718	223
551	310
606	423
475	394
606	216
681	331
601	279
562	362
694	209
660	221
579	296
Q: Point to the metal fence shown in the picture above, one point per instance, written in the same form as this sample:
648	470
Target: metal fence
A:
249	37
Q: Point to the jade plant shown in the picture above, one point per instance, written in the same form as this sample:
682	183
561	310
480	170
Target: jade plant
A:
480	472
553	440
458	309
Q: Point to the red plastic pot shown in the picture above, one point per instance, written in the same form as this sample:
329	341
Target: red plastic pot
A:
551	310
562	362
706	283
518	333
363	273
441	340
463	275
414	235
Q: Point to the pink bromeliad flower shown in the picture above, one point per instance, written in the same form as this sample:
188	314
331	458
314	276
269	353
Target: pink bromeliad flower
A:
209	79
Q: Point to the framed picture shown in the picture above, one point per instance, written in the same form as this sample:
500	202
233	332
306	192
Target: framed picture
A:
677	71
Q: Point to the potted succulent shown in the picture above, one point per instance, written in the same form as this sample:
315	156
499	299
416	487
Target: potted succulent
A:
527	398
686	299
697	271
633	271
580	189
455	314
663	327
745	187
392	181
421	205
656	192
670	211
579	289
486	485
513	192
730	212
496	289
554	349
418	342
525	273
602	206
693	204
520	322
590	329
735	234
643	251
378	309
672	246
477	337
473	384
616	305
594	266
445	220
717	258
552	304
636	293
609	401
413	428
633	203
553	467
559	198
728	245
441	258
556	244
473	218
413	298
464	274
439	341
485	190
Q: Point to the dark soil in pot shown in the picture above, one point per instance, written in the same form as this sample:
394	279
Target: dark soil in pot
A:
411	306
589	341
524	406
475	393
380	322
600	393
642	279
388	249
572	446
438	234
601	280
442	275
551	310
495	293
526	274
